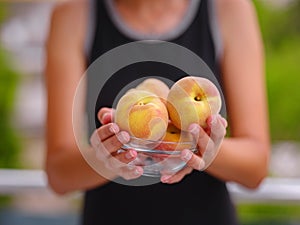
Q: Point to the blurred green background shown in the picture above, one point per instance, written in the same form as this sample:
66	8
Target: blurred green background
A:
281	33
9	139
280	28
9	145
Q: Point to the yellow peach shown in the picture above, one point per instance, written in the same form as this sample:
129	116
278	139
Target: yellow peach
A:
175	139
192	100
142	114
156	87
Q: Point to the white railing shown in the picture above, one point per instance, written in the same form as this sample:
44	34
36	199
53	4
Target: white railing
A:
272	189
17	181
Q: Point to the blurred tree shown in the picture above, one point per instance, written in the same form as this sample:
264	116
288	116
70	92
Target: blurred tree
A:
278	24
9	142
281	33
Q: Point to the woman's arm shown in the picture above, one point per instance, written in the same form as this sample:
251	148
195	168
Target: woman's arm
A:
65	166
243	157
66	161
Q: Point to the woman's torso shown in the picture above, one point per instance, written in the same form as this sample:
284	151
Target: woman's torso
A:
199	198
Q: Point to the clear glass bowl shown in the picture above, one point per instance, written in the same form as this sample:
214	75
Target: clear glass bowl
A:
159	157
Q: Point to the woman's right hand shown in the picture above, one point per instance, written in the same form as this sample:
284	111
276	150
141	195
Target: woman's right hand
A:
107	141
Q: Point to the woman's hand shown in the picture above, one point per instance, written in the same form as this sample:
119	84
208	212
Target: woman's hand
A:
208	143
107	141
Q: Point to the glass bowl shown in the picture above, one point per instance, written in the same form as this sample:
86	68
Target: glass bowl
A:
159	157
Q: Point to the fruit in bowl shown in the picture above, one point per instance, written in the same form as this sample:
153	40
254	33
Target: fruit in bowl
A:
192	100
159	157
175	139
157	118
156	87
142	114
162	156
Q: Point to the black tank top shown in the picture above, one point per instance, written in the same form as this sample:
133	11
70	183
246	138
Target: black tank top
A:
199	198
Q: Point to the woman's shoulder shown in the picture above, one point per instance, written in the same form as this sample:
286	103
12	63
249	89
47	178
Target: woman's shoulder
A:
70	8
235	11
235	17
236	5
68	20
70	11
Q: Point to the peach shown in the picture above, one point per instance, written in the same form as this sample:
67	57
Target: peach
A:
192	100
142	114
156	87
175	139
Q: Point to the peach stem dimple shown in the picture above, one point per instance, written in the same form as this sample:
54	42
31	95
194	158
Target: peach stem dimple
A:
197	98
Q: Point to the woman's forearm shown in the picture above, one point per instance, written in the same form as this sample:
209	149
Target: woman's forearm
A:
242	160
70	170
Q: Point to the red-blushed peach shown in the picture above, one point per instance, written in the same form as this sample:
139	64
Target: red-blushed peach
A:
142	114
192	100
156	87
175	139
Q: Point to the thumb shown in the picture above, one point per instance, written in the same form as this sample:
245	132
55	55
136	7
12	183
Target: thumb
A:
105	115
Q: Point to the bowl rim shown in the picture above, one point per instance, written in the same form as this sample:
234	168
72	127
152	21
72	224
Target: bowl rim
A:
161	141
127	146
157	151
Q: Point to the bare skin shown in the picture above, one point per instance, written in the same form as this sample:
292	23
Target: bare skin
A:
243	158
145	15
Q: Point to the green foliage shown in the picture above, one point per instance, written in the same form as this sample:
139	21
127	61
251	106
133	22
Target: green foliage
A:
9	144
2	11
283	90
269	214
278	24
281	33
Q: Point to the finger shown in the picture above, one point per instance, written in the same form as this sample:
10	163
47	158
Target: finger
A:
102	155
114	143
95	140
224	122
192	160
210	121
119	160
177	177
107	131
98	138
131	172
217	126
98	147
105	115
200	136
119	165
218	130
126	156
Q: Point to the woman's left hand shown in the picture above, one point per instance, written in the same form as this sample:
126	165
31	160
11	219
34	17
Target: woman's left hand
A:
208	143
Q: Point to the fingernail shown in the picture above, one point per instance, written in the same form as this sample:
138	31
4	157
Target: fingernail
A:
138	171
186	155
130	154
114	128
165	179
213	120
201	165
194	129
104	115
123	137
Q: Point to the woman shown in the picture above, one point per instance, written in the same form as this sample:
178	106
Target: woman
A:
225	34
